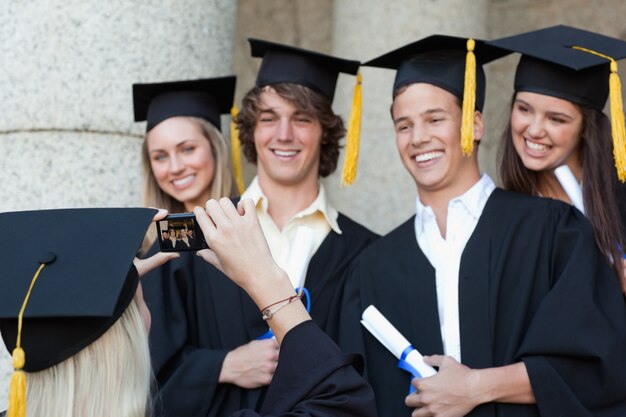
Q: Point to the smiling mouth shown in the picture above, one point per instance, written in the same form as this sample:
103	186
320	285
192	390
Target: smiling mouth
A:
284	154
537	147
428	156
183	182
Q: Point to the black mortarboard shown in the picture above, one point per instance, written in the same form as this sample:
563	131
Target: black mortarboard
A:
550	65
288	64
439	60
575	65
447	62
86	284
206	98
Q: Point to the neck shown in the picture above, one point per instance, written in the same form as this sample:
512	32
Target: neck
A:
285	200
438	199
198	202
549	186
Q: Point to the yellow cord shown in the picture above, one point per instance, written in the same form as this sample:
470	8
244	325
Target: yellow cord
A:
353	137
17	390
617	114
235	150
469	100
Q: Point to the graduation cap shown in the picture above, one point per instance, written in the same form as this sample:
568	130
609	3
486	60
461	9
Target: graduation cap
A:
289	64
67	277
447	62
575	65
205	98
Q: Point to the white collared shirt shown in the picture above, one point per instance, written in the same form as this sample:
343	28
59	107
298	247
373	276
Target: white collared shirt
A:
445	254
320	216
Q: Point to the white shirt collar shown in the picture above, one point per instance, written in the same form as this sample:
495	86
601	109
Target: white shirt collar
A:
321	204
474	200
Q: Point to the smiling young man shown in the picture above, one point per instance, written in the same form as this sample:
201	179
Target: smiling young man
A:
502	290
288	129
214	356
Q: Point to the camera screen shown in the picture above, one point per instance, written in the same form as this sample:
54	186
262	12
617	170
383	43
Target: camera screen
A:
180	233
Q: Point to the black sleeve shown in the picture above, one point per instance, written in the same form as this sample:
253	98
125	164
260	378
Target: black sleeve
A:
575	347
187	375
315	378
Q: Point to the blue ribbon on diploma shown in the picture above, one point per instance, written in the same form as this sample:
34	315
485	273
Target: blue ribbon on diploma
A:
404	365
269	334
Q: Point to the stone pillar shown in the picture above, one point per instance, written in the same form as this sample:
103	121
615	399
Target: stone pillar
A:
384	193
67	136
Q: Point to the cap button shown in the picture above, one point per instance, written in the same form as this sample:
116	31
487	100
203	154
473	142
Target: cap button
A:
47	258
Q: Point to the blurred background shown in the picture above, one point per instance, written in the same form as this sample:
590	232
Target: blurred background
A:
67	136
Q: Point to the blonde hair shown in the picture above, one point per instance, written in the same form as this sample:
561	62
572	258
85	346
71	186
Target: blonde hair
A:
221	186
110	377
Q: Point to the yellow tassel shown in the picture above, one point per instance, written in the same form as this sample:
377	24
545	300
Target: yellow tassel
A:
17	391
617	115
617	122
17	388
469	101
235	150
353	137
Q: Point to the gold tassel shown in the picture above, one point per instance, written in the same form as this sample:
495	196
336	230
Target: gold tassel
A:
17	389
469	101
353	137
617	122
235	150
617	115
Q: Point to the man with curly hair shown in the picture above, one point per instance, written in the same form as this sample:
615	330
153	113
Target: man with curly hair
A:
212	352
288	129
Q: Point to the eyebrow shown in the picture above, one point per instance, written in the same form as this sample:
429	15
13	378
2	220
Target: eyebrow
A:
267	110
550	113
424	113
432	111
178	145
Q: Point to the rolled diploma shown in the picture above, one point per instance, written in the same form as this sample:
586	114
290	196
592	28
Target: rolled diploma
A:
391	338
571	186
300	256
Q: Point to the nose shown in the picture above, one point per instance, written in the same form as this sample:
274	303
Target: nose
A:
285	130
176	164
535	127
419	136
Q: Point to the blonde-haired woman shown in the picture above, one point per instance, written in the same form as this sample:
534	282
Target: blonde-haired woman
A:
184	154
84	343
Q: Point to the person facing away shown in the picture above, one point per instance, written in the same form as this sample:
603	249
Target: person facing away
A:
556	119
74	317
212	352
501	291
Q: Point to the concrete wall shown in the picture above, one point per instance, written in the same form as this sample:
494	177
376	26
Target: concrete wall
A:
67	136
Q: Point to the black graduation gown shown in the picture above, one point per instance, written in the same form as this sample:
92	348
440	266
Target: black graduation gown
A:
199	315
314	378
532	287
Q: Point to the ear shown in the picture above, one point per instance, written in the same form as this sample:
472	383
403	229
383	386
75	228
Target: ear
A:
479	126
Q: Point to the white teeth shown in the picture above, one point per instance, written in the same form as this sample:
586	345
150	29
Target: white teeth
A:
183	181
536	146
285	153
428	156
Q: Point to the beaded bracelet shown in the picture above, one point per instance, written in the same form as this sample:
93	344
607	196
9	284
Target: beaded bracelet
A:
267	313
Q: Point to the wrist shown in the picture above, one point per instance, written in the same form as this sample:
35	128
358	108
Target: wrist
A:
269	287
226	376
482	387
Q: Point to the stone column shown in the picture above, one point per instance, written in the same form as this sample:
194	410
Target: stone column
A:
384	194
67	136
